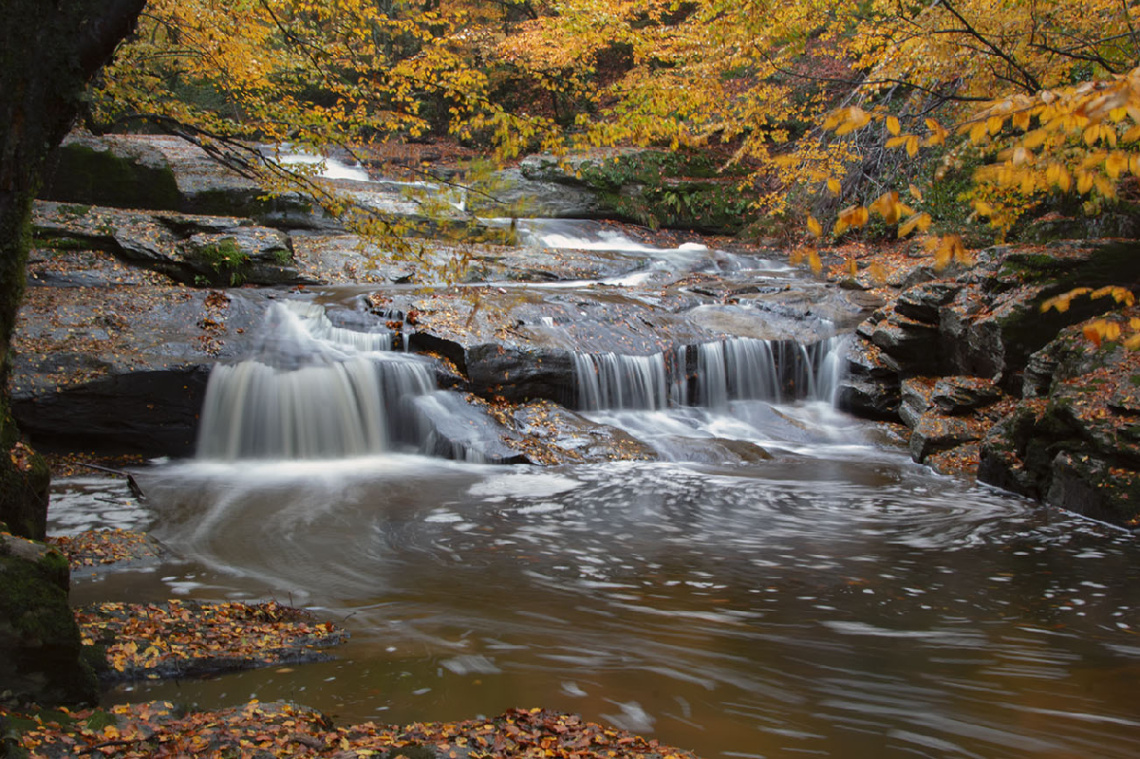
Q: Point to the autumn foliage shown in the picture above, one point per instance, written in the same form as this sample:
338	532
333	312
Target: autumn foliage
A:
834	109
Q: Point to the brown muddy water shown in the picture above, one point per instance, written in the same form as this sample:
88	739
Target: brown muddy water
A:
833	600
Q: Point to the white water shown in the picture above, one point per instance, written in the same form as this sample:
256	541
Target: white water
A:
311	390
329	168
736	368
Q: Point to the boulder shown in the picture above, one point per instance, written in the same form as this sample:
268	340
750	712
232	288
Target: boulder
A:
521	374
24	482
41	656
962	395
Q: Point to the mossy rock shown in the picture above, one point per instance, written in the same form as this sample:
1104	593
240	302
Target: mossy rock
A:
41	656
670	189
86	174
24	482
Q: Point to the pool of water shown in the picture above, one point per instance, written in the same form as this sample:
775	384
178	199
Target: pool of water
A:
834	599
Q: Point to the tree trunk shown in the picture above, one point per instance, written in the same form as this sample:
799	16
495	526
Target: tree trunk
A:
49	51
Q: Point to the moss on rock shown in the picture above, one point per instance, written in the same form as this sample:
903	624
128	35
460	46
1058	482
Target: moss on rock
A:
41	654
24	482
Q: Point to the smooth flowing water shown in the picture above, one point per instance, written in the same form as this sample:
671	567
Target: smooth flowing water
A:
834	599
820	595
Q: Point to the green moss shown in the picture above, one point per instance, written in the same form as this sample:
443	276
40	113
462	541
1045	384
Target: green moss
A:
671	189
83	174
64	243
40	639
74	210
228	264
23	486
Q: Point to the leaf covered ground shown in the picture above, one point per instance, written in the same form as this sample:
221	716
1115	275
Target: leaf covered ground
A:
180	638
285	730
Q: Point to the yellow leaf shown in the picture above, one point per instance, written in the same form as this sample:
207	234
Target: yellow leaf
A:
915	193
978	132
1035	139
1116	164
814	261
920	221
834	186
877	273
1094	332
912	146
938	133
814	226
1085	181
893	125
896	142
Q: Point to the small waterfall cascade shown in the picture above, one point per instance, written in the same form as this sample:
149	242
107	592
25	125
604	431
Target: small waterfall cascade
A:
311	390
710	375
617	381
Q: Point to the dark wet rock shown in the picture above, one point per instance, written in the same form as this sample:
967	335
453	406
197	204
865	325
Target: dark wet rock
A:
924	303
935	432
24	482
41	656
961	395
959	461
870	384
452	428
869	398
196	250
521	374
909	342
916	399
1094	486
1079	447
120	370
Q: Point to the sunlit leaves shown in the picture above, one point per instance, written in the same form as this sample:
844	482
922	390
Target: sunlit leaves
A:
1062	302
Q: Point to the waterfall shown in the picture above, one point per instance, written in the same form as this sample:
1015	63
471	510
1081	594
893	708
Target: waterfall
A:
710	375
616	381
311	390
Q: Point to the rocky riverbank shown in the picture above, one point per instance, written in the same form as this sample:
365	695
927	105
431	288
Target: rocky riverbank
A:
128	309
988	383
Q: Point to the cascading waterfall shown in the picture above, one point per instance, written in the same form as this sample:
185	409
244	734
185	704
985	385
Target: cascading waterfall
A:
736	368
311	390
615	381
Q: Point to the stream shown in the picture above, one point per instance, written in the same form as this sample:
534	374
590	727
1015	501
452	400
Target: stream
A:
815	593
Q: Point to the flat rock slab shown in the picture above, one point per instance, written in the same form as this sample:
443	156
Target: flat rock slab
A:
122	367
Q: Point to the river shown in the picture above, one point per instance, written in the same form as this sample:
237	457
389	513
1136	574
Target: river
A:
782	581
835	599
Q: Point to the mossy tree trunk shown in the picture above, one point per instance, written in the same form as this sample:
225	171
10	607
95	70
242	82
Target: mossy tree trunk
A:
48	54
